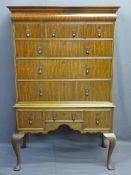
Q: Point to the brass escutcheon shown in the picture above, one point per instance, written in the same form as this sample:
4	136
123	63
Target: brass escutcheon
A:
30	120
27	31
54	116
99	31
97	119
40	69
74	116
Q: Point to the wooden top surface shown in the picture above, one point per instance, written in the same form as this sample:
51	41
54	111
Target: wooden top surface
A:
80	9
90	9
74	104
53	13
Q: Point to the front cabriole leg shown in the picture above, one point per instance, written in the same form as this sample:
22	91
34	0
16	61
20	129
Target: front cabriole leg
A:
112	142
15	139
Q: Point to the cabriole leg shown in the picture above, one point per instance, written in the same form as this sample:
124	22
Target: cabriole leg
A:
103	144
112	142
24	141
15	139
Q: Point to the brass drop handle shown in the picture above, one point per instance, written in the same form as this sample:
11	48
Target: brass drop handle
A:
86	92
39	49
97	120
99	32
87	48
53	32
40	69
30	120
74	116
87	69
54	116
74	33
40	91
27	31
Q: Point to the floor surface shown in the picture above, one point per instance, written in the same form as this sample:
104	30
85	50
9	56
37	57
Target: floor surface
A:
69	153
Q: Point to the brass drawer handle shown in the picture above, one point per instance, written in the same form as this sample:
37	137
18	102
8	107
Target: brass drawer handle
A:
87	69
40	69
97	120
86	91
74	116
27	31
30	120
39	49
87	48
54	116
73	33
53	32
40	91
99	32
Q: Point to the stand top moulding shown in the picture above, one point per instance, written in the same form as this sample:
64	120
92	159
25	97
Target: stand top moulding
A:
47	13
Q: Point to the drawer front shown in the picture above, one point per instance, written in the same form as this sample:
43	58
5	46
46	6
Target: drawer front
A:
31	69
62	30
79	68
54	126
30	120
97	120
64	116
29	48
54	48
58	68
98	30
64	91
45	91
93	91
29	30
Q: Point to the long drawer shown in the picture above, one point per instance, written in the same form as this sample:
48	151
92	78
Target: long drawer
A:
63	68
63	30
70	48
64	90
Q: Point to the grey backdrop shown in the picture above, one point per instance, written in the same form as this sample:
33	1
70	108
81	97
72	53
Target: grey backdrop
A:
122	63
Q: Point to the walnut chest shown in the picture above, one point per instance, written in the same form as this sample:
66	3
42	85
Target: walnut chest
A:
63	69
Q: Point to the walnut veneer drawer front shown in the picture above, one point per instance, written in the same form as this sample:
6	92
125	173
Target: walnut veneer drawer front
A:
54	48
28	30
62	30
97	120
31	69
64	116
63	68
98	30
64	91
30	120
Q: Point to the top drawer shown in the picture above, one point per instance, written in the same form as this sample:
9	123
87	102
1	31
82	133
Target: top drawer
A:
27	30
98	31
63	30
